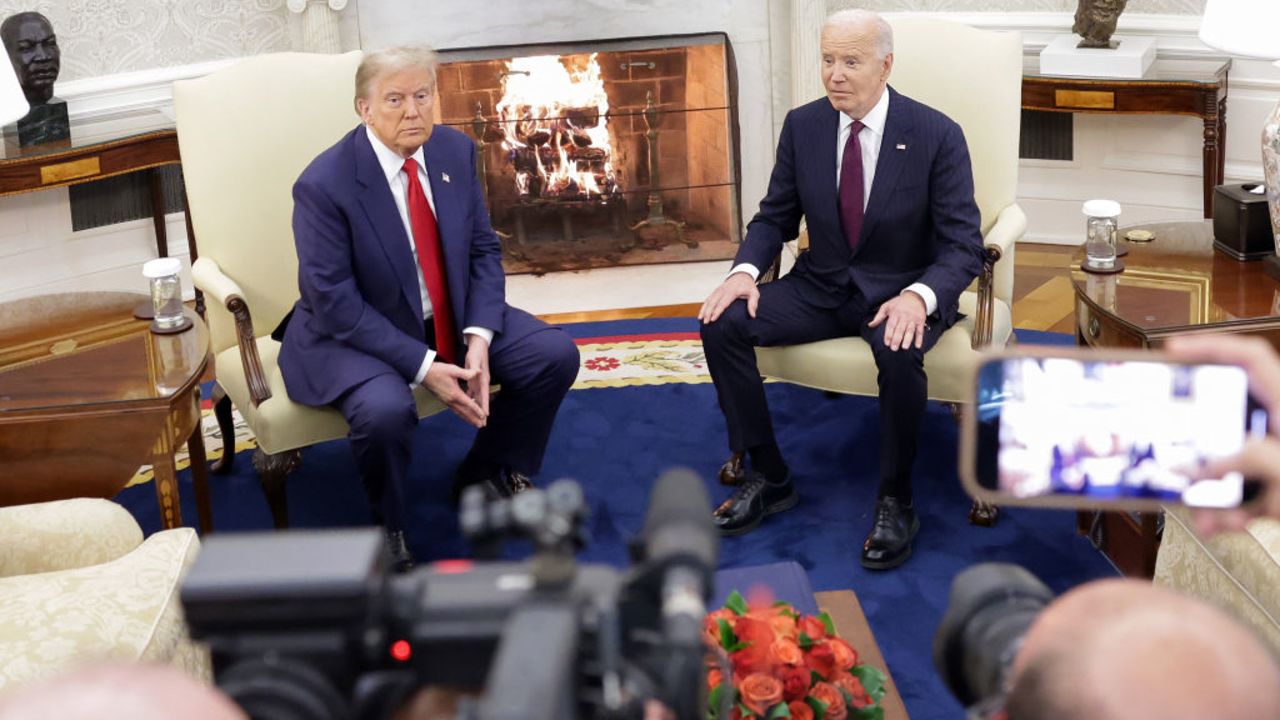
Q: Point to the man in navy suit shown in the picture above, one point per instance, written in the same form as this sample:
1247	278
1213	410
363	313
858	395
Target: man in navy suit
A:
402	284
886	188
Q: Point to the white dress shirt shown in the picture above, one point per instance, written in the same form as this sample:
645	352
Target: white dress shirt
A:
870	138
393	168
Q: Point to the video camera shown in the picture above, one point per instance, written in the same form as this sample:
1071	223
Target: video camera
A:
311	625
990	609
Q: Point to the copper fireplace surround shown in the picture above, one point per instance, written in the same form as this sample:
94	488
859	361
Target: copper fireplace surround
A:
617	152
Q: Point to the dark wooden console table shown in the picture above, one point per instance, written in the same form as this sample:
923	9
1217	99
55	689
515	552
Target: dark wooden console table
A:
88	393
1177	284
102	149
1170	87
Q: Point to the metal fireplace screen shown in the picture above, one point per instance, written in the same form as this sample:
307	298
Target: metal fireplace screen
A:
622	152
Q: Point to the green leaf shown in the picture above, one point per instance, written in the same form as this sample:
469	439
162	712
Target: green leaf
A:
870	712
819	707
736	603
848	698
779	711
815	678
746	711
728	640
805	642
871	678
780	604
826	621
713	700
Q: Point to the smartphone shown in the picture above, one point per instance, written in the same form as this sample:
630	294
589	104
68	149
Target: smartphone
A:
1108	429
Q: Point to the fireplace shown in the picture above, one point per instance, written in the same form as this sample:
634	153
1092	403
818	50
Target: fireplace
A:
616	152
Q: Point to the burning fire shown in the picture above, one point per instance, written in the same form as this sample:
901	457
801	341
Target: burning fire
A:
554	131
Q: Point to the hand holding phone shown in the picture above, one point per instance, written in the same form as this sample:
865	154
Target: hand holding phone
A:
1260	458
1107	429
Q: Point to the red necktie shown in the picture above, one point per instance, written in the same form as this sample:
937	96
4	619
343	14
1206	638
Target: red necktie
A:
426	238
851	186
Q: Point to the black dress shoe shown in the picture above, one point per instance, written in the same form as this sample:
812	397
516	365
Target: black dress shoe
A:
888	544
755	498
401	558
497	483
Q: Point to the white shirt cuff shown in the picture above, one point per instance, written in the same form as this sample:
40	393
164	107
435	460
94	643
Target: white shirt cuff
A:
926	294
426	365
480	332
747	268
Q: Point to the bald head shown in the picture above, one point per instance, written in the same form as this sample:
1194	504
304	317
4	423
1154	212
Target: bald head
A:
138	692
1127	649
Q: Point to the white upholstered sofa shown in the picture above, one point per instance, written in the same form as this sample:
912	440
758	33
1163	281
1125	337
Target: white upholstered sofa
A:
78	583
1238	572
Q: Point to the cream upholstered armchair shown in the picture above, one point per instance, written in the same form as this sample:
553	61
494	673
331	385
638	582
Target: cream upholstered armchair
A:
78	583
975	77
1238	572
246	132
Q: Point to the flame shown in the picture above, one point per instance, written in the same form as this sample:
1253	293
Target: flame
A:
554	128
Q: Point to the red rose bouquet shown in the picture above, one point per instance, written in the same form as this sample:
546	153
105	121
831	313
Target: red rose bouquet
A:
768	661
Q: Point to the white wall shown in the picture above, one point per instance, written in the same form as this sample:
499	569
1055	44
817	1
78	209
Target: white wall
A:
1150	164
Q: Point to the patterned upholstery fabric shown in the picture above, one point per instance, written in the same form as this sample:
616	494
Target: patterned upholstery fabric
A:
1238	572
66	534
90	588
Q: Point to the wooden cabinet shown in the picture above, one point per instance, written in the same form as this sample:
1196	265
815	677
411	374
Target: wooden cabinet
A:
1176	284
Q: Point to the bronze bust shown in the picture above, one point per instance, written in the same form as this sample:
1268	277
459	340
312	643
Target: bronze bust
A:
32	46
33	49
1096	21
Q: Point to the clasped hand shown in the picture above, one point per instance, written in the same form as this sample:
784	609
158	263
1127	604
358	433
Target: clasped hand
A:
464	390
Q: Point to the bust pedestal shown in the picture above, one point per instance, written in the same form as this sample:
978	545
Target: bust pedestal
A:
45	123
1130	57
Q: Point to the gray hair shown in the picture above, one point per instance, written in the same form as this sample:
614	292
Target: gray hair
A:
860	17
391	60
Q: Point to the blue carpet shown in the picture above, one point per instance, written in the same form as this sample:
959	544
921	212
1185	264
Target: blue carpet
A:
616	441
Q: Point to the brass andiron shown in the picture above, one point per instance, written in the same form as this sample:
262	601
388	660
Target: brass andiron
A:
657	229
478	126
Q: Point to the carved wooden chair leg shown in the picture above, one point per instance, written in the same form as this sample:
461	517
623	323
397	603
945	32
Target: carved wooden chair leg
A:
272	471
226	428
731	471
983	514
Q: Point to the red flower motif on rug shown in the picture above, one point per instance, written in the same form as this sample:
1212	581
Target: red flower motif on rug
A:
603	363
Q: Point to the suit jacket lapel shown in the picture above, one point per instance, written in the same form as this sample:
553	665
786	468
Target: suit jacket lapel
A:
380	207
827	132
898	129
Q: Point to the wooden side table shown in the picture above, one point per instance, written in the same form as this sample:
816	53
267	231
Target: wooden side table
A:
100	150
1175	285
1171	87
88	393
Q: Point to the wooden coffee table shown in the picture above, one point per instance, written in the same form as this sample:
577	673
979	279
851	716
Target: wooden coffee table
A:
88	393
1177	284
851	624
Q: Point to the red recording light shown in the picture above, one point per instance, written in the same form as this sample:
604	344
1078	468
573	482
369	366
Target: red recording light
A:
452	567
401	651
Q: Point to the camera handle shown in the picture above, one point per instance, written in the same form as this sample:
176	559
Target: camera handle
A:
534	672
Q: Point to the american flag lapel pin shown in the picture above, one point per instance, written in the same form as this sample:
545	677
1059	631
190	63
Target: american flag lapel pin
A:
444	176
901	146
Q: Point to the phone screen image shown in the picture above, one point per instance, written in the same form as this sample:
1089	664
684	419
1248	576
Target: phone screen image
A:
1112	430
